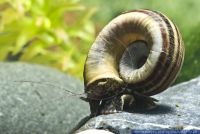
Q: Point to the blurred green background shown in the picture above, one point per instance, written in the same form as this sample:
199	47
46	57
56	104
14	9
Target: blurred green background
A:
59	33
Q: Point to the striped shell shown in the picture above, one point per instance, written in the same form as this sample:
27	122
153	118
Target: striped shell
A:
141	49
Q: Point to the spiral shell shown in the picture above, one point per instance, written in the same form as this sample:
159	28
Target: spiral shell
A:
141	49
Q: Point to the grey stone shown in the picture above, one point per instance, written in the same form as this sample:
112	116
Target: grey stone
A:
178	108
34	99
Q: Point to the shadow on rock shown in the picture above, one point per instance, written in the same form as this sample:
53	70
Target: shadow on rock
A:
160	109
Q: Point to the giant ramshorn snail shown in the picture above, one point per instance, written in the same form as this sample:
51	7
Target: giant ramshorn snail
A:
138	54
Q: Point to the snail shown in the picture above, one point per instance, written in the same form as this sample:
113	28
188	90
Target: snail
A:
137	55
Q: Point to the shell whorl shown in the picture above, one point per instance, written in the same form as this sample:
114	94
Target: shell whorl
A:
142	49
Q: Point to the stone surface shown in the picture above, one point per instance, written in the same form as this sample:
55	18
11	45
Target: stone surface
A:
95	131
41	103
178	108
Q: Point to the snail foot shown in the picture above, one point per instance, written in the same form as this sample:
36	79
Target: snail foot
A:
137	101
111	106
94	107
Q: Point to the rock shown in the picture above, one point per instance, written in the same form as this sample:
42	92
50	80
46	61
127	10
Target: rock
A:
34	99
178	108
95	131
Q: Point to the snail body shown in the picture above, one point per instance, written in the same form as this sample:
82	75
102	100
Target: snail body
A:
139	52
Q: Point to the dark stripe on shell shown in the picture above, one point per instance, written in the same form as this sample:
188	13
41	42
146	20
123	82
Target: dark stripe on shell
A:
175	67
163	62
165	76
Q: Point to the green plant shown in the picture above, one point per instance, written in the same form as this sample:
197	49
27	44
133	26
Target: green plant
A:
51	32
59	32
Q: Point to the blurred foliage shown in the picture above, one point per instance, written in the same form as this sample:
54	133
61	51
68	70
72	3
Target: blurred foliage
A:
55	33
182	12
59	32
